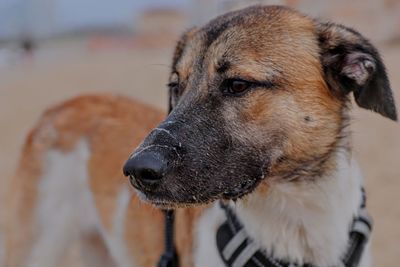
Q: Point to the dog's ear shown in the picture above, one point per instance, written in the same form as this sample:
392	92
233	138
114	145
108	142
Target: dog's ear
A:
179	48
352	64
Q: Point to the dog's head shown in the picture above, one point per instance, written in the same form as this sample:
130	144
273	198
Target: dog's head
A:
256	94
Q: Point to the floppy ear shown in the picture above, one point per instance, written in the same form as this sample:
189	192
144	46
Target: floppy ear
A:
352	64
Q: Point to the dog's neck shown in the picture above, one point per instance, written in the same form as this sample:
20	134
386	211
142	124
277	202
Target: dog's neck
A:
305	221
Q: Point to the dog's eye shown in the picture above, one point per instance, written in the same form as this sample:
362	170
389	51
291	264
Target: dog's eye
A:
174	87
235	87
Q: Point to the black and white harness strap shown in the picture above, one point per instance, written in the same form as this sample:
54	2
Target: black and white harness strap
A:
237	249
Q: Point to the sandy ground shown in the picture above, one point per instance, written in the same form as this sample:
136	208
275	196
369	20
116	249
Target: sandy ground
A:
26	90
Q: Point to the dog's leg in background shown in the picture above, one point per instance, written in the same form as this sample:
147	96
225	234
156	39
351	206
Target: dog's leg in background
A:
62	210
22	197
114	237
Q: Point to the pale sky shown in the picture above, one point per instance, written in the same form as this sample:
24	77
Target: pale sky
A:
40	16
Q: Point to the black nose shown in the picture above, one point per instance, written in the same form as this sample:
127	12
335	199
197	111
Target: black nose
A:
145	169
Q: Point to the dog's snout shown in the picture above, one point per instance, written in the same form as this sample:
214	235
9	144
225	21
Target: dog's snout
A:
145	169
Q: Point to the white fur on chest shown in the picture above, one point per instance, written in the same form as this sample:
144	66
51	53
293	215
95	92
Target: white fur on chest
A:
299	222
205	249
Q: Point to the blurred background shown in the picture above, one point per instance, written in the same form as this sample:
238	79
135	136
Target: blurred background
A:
51	50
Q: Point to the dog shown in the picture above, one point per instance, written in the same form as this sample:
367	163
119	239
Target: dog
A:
257	141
